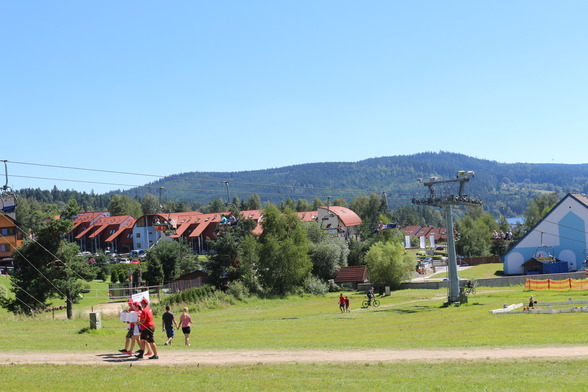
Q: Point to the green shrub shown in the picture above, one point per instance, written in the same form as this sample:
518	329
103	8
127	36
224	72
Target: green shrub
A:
238	290
314	285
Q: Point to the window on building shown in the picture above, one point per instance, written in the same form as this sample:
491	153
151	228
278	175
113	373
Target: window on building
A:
7	231
138	235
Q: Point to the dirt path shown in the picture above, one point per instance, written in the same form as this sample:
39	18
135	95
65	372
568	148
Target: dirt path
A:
170	357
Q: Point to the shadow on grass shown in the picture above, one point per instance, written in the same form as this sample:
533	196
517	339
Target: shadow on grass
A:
413	309
456	305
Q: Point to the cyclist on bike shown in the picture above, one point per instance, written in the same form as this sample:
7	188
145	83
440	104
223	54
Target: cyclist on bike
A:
370	295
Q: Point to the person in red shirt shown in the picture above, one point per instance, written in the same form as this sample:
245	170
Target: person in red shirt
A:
147	326
129	335
342	303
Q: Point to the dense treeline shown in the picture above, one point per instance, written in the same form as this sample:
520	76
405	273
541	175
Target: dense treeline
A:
505	188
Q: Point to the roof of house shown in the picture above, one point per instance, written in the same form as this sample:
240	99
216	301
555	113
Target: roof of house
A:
345	215
576	196
106	221
531	263
411	230
437	232
308	216
352	274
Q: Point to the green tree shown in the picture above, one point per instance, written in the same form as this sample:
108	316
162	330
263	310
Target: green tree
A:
284	262
47	267
124	205
102	266
316	203
154	275
408	215
224	263
538	207
389	264
216	205
303	205
474	239
369	210
169	254
30	213
288	204
68	273
328	256
248	268
150	204
357	252
253	202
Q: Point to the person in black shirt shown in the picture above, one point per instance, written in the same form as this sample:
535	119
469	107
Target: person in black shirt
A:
169	325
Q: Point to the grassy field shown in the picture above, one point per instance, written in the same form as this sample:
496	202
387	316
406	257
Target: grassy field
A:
407	319
491	270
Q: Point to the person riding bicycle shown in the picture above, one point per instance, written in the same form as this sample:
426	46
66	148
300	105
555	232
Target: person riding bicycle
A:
370	295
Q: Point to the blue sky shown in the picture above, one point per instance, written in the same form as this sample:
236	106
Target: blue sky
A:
171	87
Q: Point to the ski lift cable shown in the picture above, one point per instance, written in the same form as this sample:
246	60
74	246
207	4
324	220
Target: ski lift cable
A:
191	179
46	250
101	346
35	268
194	189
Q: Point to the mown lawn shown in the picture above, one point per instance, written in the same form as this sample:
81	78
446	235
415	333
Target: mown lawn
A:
495	376
407	319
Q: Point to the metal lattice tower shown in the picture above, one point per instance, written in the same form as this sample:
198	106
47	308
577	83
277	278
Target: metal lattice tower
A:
445	200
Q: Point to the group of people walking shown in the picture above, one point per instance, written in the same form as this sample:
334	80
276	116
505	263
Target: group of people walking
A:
141	330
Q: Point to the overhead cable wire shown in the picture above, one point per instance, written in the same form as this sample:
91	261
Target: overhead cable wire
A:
201	190
187	178
43	275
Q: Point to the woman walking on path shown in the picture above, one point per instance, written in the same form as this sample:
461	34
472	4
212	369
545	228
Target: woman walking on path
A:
185	322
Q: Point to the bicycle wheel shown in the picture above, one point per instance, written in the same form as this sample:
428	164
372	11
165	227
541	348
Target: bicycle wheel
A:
365	304
375	302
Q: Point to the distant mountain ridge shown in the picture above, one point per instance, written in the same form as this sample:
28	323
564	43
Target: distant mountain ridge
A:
505	188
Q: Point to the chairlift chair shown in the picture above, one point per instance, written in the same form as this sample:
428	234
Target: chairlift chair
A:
8	196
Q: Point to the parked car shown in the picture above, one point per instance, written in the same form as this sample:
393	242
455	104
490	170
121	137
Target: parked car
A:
124	261
135	261
91	261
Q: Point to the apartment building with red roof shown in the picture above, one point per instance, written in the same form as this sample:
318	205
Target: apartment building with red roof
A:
121	234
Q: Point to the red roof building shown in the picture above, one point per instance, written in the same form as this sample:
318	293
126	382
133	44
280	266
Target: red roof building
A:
352	276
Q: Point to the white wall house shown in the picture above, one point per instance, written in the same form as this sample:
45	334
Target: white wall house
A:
562	233
338	220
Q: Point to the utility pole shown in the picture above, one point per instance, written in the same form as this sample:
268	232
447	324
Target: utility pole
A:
445	201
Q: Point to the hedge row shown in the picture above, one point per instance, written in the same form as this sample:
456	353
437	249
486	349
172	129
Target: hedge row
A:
190	295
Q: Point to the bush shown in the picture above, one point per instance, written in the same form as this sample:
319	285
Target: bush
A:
314	285
238	290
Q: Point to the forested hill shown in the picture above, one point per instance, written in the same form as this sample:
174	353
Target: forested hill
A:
494	182
504	188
